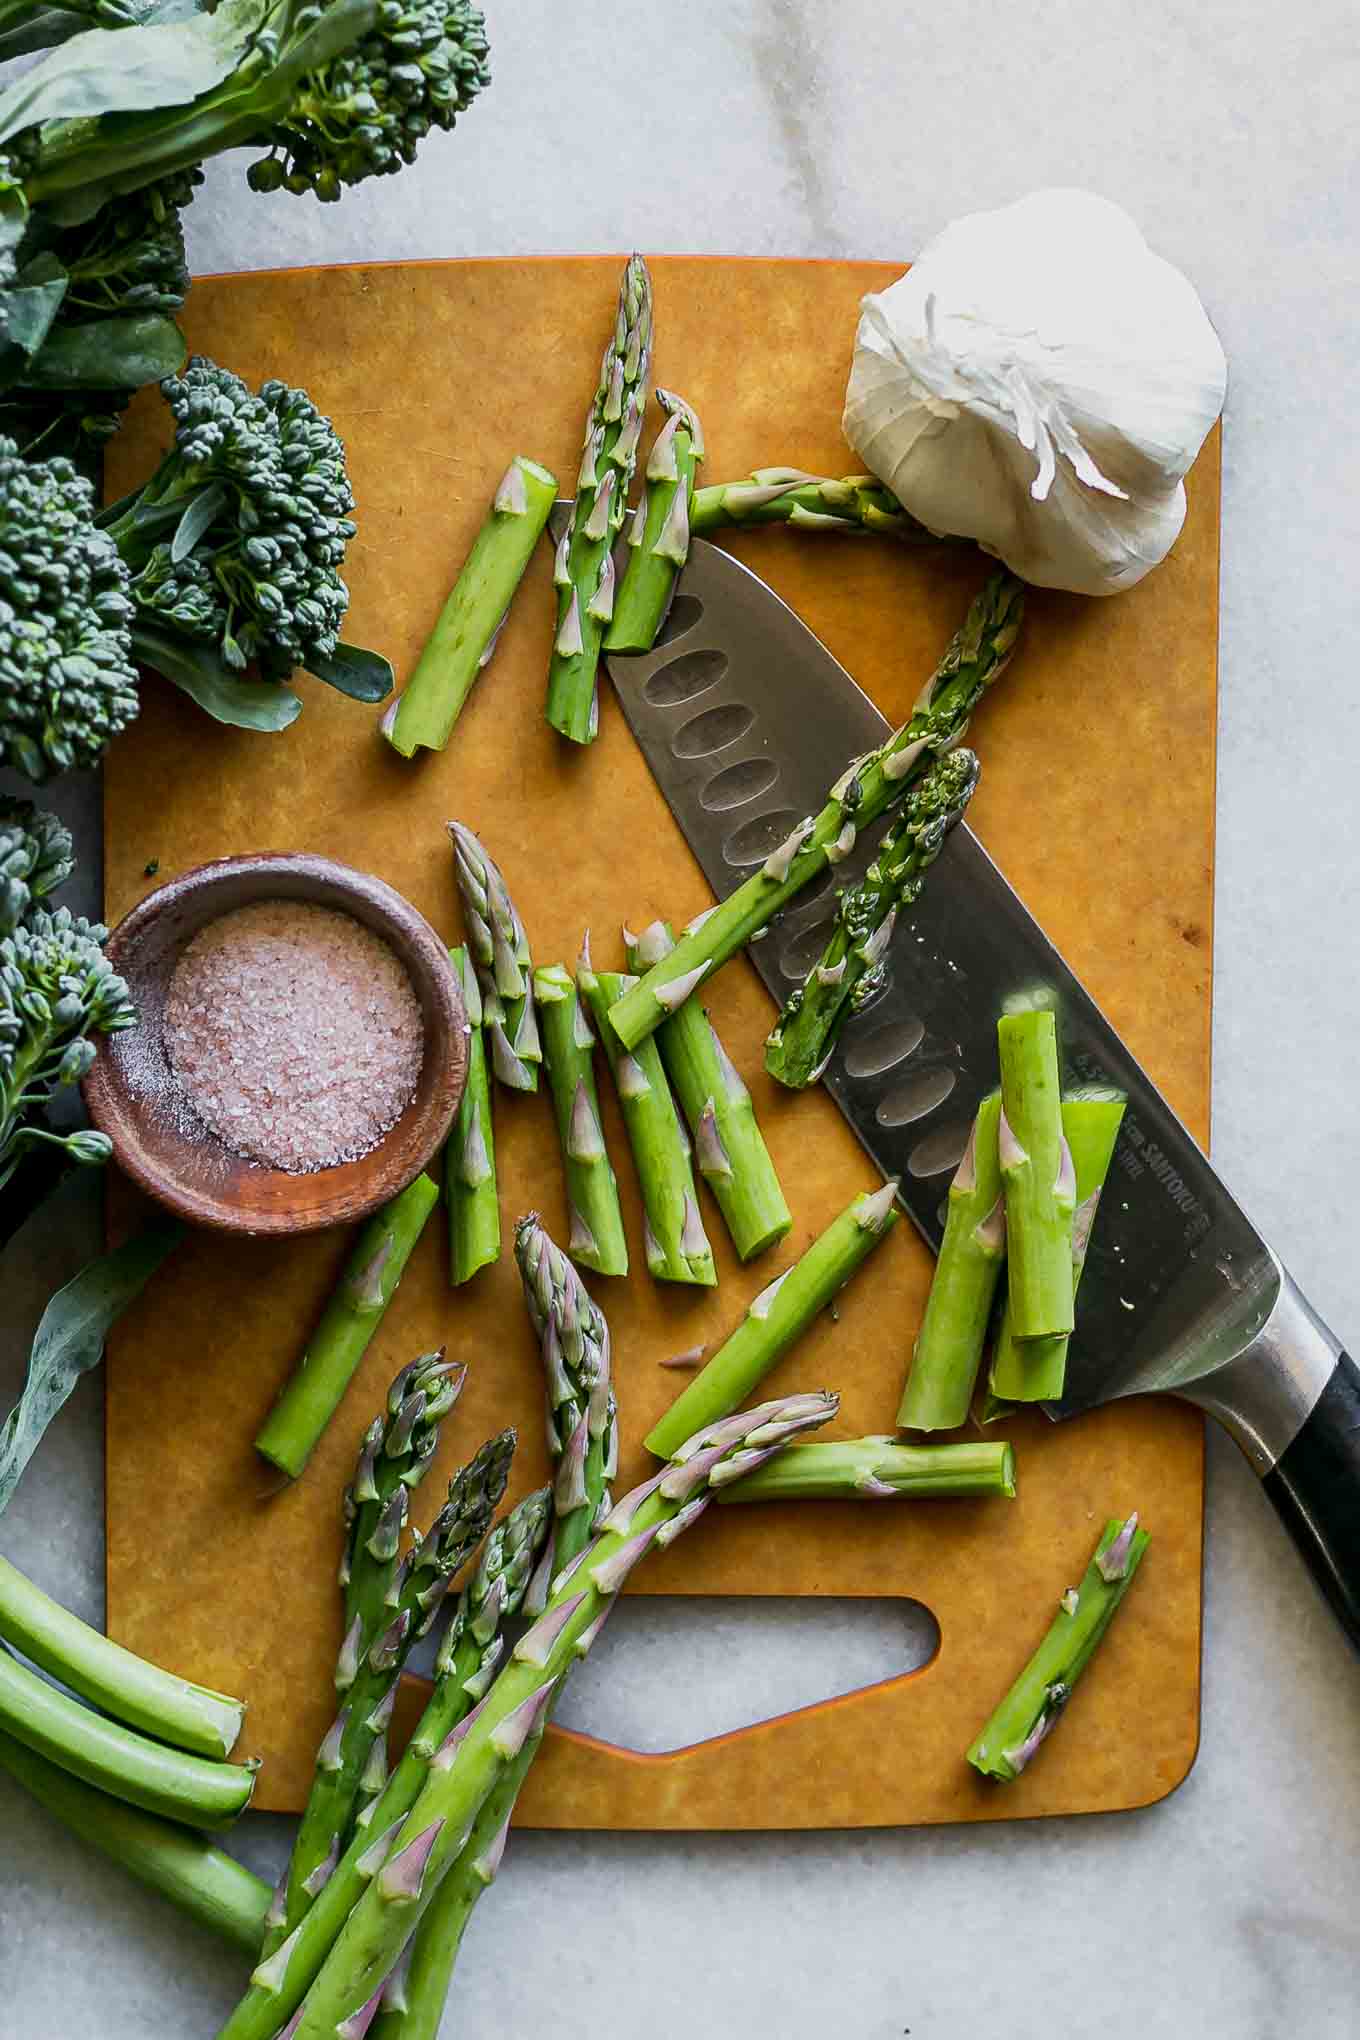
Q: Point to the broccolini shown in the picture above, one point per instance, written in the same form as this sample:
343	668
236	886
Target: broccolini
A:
36	856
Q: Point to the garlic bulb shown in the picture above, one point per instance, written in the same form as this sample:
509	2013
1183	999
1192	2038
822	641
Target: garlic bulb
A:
1040	381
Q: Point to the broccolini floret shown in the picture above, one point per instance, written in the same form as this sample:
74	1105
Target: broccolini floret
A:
366	112
36	856
67	682
57	991
238	536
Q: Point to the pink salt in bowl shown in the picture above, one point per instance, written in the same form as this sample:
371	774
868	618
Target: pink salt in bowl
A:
134	1095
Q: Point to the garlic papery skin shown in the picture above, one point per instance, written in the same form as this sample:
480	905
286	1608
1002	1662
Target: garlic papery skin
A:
1040	381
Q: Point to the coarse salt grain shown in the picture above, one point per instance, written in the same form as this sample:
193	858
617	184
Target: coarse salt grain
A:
294	1033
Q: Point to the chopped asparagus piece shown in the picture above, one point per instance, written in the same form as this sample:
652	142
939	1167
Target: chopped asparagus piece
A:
470	1153
953	1331
347	1324
729	1149
662	527
1031	1709
462	641
878	1470
1036	1168
597	1238
775	1318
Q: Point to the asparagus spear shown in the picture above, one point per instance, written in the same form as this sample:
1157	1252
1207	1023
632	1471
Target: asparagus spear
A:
201	1791
575	1342
658	532
204	1882
413	1999
350	1319
953	1331
1036	1168
584	573
582	1424
977	655
853	966
877	1470
393	1460
677	1246
780	1314
141	1695
473	1763
776	495
728	1147
367	1673
472	1648
462	642
1033	1370
500	956
1031	1709
597	1236
470	1153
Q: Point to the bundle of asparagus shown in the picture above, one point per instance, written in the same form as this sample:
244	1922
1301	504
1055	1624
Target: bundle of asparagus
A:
977	656
584	573
489	1750
391	1600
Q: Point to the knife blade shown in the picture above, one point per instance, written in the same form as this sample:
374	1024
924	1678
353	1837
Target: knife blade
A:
744	718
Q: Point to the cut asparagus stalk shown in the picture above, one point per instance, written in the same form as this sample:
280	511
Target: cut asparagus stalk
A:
472	1648
977	656
500	955
350	1319
877	1470
463	640
203	1881
367	1676
854	965
585	569
678	1248
1036	1168
580	1399
597	1236
470	1152
1031	1709
580	1416
1033	1370
141	1695
200	1791
780	1314
729	1149
949	1345
463	1776
658	537
852	505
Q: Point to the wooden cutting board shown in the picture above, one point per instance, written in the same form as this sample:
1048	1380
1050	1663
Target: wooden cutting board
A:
1097	800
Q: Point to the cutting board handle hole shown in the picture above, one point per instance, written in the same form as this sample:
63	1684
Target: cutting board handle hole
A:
674	1669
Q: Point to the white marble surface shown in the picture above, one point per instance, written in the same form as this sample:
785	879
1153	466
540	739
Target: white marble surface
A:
785	129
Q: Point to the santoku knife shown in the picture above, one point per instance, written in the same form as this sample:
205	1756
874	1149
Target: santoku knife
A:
745	718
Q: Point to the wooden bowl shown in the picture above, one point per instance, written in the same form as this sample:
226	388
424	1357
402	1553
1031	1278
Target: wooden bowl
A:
132	1096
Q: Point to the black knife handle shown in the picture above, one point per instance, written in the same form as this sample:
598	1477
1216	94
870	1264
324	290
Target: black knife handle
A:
1315	1485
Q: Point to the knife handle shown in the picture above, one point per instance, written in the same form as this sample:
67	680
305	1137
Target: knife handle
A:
1315	1486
